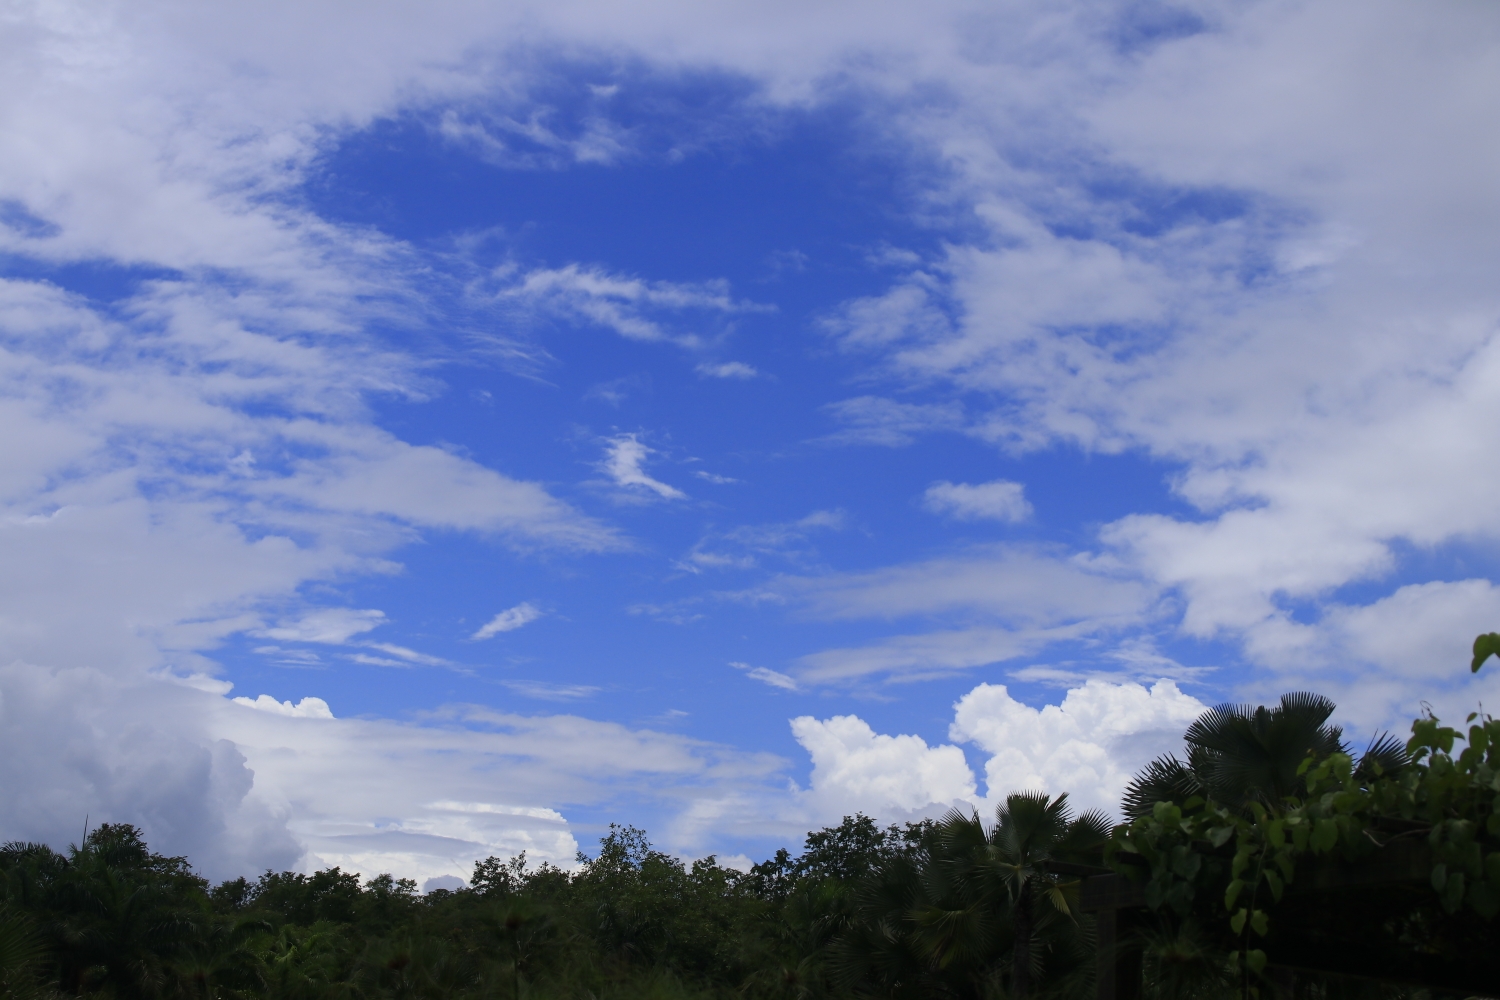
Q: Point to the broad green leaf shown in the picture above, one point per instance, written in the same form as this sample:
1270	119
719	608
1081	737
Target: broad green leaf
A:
1237	922
1238	885
1485	646
1258	922
1274	881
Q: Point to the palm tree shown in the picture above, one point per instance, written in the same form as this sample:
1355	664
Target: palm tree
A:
1237	754
1016	861
22	955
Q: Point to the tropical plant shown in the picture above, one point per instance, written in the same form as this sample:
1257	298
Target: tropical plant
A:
1237	754
1403	849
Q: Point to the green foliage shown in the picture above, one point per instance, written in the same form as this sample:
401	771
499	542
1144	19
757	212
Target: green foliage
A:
1485	646
1226	864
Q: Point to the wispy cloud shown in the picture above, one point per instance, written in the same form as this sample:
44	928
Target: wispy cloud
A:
624	461
875	420
728	369
766	675
999	500
334	626
408	655
632	307
744	546
546	691
509	620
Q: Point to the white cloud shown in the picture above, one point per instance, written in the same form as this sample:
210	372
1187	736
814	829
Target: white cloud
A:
546	691
1011	582
1311	347
452	883
1090	745
626	305
728	369
509	620
999	500
745	546
132	750
878	421
334	626
426	800
307	708
766	676
855	768
409	655
1006	601
624	458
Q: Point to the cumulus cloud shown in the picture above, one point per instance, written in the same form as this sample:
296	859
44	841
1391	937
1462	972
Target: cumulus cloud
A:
307	708
466	783
81	741
1000	500
624	462
509	620
855	768
1089	745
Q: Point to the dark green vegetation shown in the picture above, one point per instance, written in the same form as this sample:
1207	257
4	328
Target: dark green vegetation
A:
1270	861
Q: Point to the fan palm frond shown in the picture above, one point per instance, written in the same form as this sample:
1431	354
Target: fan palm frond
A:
1165	779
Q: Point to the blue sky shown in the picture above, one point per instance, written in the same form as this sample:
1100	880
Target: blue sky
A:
444	436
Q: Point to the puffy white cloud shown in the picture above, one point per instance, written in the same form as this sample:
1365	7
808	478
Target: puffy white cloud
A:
1089	745
78	741
855	768
509	620
307	708
1000	500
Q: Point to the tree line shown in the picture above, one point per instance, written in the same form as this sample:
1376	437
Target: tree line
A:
964	907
